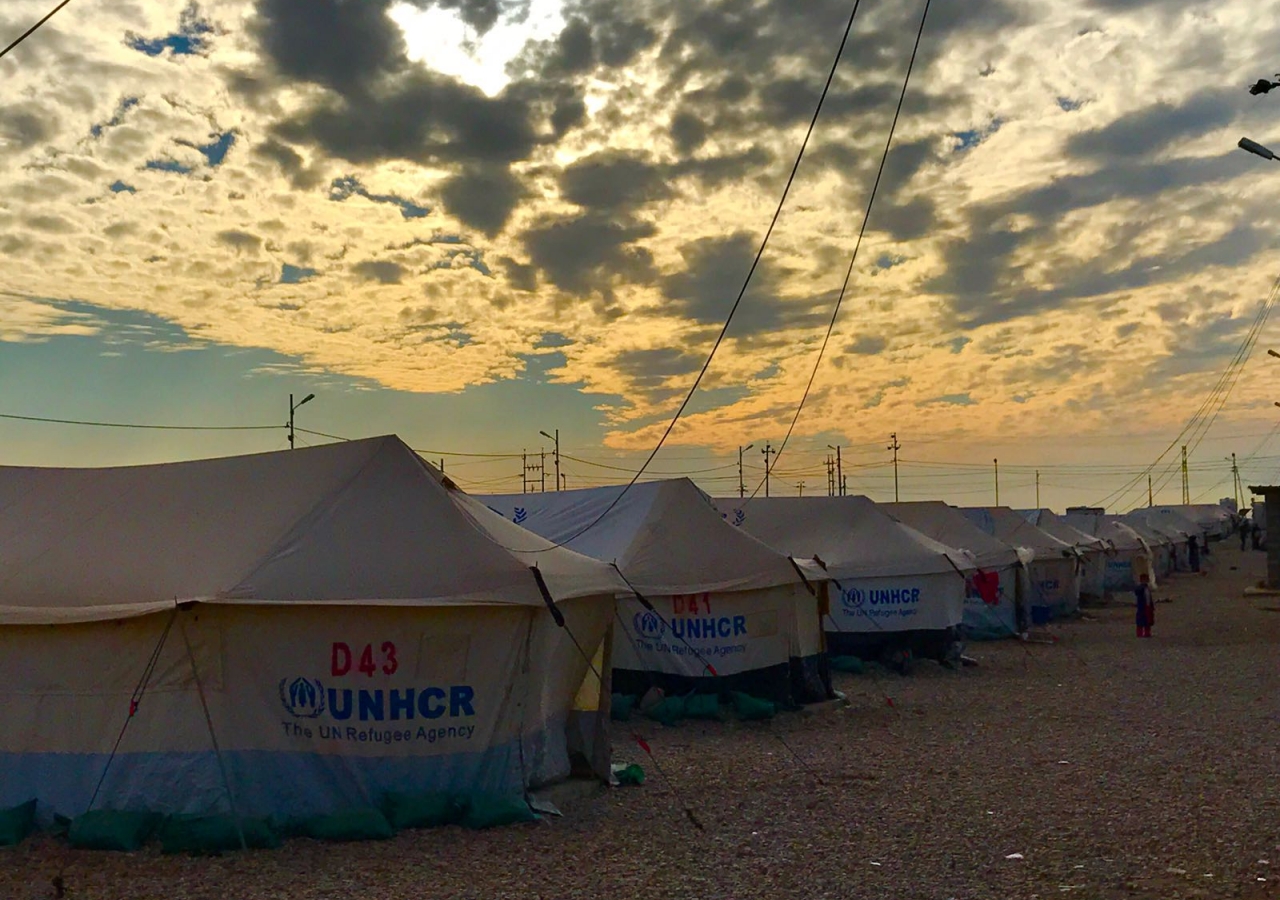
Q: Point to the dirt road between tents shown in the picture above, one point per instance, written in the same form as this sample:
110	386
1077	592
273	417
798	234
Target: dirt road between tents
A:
1101	766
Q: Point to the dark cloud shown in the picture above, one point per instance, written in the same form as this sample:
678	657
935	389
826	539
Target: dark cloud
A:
240	240
483	197
614	181
481	15
649	370
379	270
587	254
22	126
715	267
982	284
867	345
346	45
291	164
521	276
905	221
688	132
574	51
1157	127
422	117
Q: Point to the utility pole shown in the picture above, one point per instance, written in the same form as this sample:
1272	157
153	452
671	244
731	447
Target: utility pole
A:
555	453
768	451
542	468
895	447
1037	488
839	470
1186	484
1235	483
531	467
1150	498
524	471
996	462
800	487
742	484
831	476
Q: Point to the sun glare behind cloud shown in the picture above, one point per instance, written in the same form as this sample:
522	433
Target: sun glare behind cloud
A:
440	39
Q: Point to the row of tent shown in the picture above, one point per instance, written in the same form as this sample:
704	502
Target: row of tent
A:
299	633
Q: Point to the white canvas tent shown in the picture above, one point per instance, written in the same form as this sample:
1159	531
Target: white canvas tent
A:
988	613
353	622
1053	573
725	611
892	585
1128	555
1093	550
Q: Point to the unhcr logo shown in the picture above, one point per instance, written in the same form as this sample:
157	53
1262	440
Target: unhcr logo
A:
648	624
520	515
302	697
853	598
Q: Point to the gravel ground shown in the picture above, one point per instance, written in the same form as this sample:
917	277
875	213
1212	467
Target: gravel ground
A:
1114	767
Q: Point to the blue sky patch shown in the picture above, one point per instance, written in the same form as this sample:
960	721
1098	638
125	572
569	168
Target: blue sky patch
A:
119	187
216	150
295	274
1069	105
168	165
341	189
950	400
188	40
888	261
959	343
970	138
126	104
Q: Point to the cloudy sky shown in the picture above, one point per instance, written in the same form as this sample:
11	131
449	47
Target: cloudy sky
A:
466	221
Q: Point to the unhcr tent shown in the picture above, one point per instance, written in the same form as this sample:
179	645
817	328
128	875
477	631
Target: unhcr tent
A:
992	607
1092	550
720	611
1052	576
1215	521
893	587
341	620
1128	554
1173	529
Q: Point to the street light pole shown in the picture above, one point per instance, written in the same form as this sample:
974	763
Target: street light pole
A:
839	471
996	463
742	484
555	453
292	408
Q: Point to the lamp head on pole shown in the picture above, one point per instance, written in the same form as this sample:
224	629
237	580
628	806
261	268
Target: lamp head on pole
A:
1255	148
545	435
306	399
748	447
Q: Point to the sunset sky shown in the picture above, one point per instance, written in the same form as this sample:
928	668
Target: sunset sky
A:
466	221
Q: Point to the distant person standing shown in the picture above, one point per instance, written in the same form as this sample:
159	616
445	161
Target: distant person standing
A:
1145	606
1193	553
1244	532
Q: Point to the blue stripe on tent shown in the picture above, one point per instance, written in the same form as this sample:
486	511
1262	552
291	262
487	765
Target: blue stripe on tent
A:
265	783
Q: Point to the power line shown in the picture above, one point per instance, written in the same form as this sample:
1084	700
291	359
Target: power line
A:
30	31
835	312
48	420
826	88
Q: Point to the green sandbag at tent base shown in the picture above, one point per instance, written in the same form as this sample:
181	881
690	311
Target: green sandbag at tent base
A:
16	823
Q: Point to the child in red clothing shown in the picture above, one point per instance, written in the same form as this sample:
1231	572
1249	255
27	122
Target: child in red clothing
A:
1146	606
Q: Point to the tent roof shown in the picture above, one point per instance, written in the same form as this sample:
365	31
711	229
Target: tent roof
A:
1005	525
665	536
949	526
1052	523
1110	528
855	537
359	522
